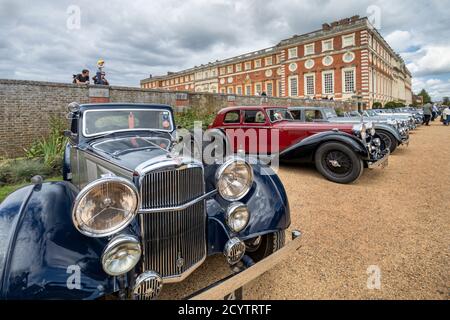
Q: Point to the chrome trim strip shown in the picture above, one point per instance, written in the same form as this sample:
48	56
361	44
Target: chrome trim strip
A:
164	161
184	275
181	207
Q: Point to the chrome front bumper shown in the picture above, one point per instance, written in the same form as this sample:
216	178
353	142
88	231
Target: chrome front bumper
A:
380	163
405	141
224	287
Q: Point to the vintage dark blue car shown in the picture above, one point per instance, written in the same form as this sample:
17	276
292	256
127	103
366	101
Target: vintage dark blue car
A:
133	214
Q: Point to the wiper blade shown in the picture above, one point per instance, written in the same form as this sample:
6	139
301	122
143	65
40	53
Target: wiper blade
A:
122	152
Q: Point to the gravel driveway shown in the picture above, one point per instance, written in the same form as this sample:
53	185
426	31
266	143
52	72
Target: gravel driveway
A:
395	221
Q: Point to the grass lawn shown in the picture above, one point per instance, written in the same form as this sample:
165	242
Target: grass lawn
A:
7	189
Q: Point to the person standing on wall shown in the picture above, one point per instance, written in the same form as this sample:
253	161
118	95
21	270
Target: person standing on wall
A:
427	112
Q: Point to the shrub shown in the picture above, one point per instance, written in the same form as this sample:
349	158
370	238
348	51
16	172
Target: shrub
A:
339	112
50	149
377	105
22	170
393	105
186	118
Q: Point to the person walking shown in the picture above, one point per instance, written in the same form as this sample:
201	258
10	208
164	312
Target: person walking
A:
446	116
434	112
427	112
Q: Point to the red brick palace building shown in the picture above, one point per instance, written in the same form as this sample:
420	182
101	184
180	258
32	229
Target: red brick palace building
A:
345	60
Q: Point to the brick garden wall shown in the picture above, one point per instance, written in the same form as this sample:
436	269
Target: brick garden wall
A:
27	106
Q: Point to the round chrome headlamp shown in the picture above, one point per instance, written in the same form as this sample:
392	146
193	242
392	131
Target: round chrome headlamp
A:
371	128
105	206
234	179
360	130
121	255
237	216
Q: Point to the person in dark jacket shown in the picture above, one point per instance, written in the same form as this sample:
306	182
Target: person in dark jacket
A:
427	112
82	78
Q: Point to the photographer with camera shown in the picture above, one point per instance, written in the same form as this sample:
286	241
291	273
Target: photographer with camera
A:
81	78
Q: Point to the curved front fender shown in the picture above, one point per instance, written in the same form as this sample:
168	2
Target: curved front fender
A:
304	150
44	256
388	128
267	203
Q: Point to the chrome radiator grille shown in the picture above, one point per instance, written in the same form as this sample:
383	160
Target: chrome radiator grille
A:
174	241
171	188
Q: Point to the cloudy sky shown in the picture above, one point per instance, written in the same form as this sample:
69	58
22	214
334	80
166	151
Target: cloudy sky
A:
51	40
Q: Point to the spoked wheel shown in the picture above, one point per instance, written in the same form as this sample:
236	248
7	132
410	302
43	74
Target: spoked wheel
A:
338	163
389	140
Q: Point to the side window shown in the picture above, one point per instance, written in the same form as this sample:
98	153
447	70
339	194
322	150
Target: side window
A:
311	115
296	114
254	116
232	117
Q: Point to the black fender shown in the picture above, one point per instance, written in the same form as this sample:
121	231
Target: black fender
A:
387	128
305	150
42	255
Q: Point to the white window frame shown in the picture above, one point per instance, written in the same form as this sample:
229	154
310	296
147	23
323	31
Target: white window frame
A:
323	81
248	65
313	75
278	88
353	69
247	91
328	41
290	87
230	69
230	90
223	90
238	67
257	63
348	36
239	90
268	61
292	53
260	88
307	46
222	71
267	91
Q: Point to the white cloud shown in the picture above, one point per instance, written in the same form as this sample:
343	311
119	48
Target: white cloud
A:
436	88
141	37
430	60
400	40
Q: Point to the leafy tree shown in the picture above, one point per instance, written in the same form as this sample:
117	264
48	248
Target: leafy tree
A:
446	101
426	97
390	105
377	105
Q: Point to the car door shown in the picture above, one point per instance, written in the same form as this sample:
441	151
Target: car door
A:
313	115
256	130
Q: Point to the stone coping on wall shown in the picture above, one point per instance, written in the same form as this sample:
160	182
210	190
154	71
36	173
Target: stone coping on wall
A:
138	89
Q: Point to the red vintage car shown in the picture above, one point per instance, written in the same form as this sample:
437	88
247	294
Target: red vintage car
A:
339	151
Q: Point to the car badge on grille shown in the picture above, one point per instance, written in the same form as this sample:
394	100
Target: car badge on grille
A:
180	260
